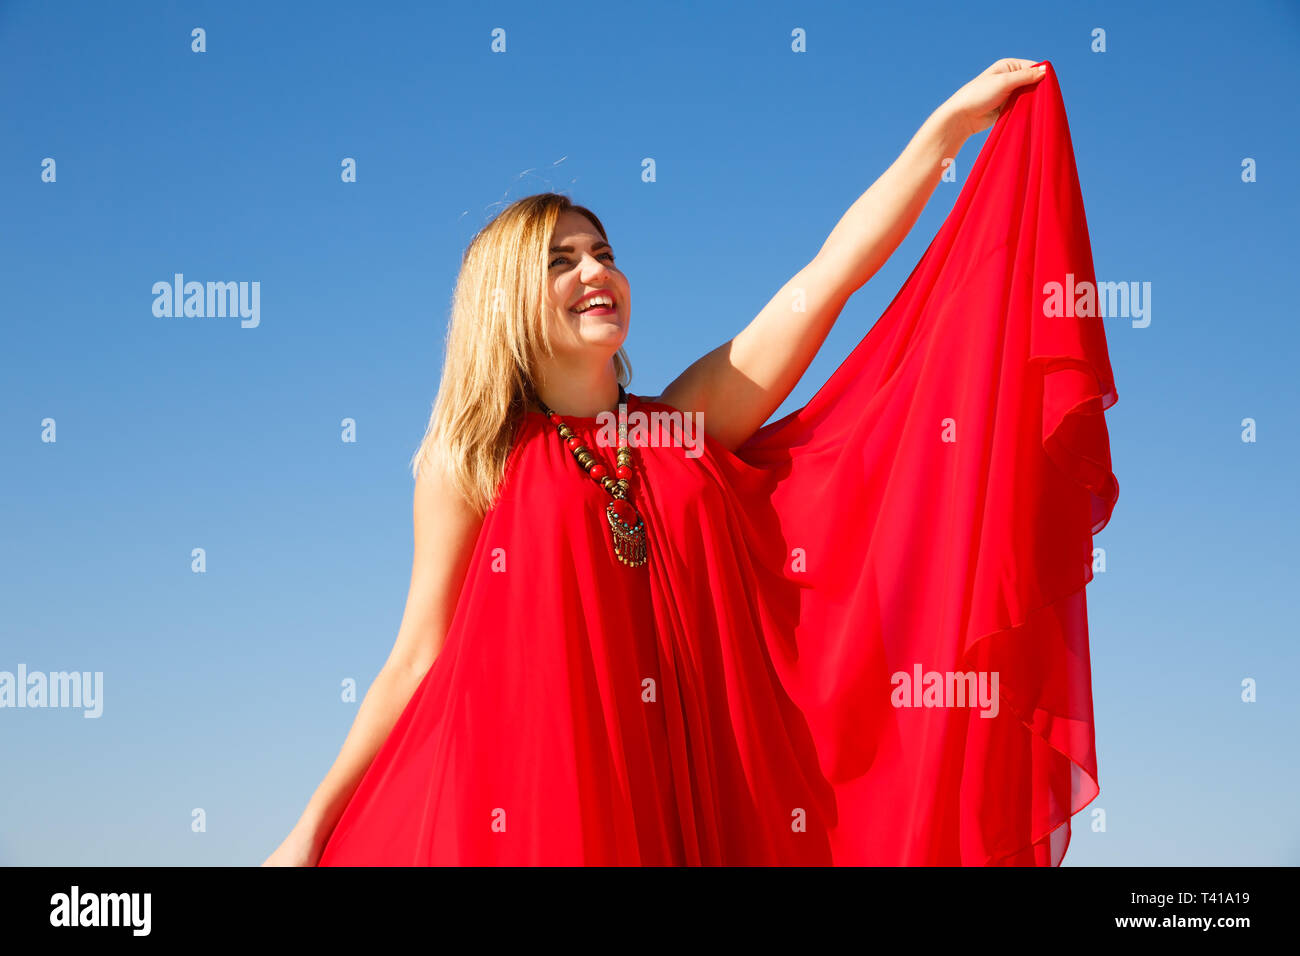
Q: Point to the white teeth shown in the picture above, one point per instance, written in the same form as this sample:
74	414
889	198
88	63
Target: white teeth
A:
594	301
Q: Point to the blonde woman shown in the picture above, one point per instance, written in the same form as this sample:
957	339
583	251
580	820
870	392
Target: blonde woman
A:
652	630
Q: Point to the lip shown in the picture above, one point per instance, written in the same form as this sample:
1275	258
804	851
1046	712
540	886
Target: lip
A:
596	292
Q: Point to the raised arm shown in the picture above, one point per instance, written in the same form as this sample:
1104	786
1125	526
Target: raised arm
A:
738	385
446	531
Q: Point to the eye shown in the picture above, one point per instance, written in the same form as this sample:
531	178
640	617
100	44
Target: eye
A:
566	258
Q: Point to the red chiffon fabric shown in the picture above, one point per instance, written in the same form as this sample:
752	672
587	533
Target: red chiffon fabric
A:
734	700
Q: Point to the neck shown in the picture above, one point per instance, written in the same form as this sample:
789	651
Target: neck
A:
582	392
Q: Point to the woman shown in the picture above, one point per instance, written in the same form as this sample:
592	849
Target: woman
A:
748	646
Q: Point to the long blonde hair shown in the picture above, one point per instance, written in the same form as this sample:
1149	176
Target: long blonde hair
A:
497	333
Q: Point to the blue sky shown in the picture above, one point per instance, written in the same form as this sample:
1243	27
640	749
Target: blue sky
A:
221	690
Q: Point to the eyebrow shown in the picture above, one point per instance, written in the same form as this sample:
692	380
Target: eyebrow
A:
598	245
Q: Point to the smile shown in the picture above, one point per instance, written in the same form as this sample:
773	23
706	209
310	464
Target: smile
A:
598	303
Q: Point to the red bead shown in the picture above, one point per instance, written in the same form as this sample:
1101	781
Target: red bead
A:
555	418
624	471
625	512
597	472
573	442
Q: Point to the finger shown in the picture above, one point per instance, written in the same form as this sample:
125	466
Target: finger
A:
1023	76
1010	65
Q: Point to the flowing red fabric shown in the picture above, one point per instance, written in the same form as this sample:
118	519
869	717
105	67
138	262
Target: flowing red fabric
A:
751	694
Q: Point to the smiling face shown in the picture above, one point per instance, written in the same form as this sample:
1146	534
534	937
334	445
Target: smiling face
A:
580	268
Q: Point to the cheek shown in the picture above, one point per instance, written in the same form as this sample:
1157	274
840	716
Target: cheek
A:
555	298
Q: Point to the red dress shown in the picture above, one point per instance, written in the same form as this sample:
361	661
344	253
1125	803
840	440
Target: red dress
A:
761	691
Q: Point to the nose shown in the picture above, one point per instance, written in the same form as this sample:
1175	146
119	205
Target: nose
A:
593	266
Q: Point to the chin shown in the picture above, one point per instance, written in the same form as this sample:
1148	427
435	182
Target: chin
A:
608	334
611	344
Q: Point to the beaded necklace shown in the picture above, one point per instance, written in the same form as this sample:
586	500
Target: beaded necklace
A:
625	524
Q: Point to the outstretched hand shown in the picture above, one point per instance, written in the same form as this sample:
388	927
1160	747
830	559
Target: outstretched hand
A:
976	106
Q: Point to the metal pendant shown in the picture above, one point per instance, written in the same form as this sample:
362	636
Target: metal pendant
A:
628	529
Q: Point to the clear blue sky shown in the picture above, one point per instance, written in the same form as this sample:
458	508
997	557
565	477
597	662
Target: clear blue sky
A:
222	689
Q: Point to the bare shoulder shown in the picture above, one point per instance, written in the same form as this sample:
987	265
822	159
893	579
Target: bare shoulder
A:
441	513
684	396
446	531
674	396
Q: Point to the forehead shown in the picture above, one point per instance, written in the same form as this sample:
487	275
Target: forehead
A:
574	225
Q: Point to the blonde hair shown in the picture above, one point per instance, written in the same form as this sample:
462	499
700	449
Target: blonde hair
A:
497	333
